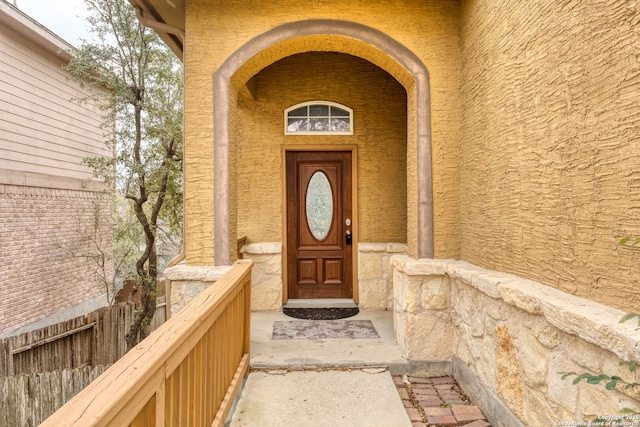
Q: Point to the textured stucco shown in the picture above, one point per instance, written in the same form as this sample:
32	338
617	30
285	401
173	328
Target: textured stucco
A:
217	29
550	143
379	104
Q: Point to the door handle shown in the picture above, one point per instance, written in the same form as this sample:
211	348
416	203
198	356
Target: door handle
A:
349	238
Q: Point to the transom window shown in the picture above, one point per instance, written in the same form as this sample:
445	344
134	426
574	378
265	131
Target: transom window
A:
318	118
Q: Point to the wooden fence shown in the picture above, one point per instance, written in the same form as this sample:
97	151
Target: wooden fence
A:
187	373
91	340
28	399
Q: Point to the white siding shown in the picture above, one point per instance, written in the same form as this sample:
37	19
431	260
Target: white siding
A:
43	129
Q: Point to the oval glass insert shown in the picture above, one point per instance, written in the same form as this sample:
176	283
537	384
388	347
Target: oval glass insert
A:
319	205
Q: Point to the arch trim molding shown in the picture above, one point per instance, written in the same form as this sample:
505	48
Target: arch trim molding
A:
222	90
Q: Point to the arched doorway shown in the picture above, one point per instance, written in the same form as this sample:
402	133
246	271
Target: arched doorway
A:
337	36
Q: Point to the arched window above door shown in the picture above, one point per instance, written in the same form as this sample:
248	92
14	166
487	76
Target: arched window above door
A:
318	118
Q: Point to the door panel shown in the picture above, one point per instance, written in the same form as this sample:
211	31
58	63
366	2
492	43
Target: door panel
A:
319	262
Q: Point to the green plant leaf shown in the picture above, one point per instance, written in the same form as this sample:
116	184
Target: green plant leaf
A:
627	317
632	366
627	411
582	377
611	385
567	374
595	379
623	241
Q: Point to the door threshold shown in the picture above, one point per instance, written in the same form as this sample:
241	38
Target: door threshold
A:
321	303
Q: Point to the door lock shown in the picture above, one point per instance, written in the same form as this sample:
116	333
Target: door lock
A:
349	238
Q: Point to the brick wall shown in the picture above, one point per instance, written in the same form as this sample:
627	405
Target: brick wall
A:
46	238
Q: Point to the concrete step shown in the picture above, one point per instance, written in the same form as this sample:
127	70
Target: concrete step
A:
321	303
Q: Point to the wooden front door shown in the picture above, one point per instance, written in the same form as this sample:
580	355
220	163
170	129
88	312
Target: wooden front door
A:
319	224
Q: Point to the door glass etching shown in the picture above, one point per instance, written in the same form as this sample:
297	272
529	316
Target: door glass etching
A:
319	205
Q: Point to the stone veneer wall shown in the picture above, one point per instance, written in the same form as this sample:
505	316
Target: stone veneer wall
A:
374	274
266	275
375	277
508	338
187	282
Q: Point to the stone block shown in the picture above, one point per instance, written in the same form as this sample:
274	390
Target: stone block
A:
594	400
387	269
533	360
496	309
561	392
548	335
262	248
369	266
593	322
193	289
584	354
177	299
257	272
274	265
372	247
435	293
462	348
396	248
374	294
477	324
427	338
611	366
508	379
426	267
541	412
521	295
267	295
183	292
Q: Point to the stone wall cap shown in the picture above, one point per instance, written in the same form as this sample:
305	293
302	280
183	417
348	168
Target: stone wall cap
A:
263	248
391	247
589	320
422	267
593	322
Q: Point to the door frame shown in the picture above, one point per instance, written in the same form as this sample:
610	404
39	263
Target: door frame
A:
353	149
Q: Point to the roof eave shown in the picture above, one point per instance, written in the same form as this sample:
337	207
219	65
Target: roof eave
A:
11	17
166	18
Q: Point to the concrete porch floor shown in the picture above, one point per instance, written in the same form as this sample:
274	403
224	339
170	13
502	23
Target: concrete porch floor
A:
346	382
298	354
303	382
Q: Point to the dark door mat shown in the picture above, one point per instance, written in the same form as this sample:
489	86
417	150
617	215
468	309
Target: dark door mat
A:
331	313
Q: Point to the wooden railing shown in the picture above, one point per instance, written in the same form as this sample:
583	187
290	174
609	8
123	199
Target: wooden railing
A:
186	373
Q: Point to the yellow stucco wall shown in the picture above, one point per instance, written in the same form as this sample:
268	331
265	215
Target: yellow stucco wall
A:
216	29
379	104
550	143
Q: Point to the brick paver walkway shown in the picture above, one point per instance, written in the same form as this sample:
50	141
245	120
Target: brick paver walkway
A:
437	402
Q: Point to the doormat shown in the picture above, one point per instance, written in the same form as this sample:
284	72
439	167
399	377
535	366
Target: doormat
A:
329	313
329	329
